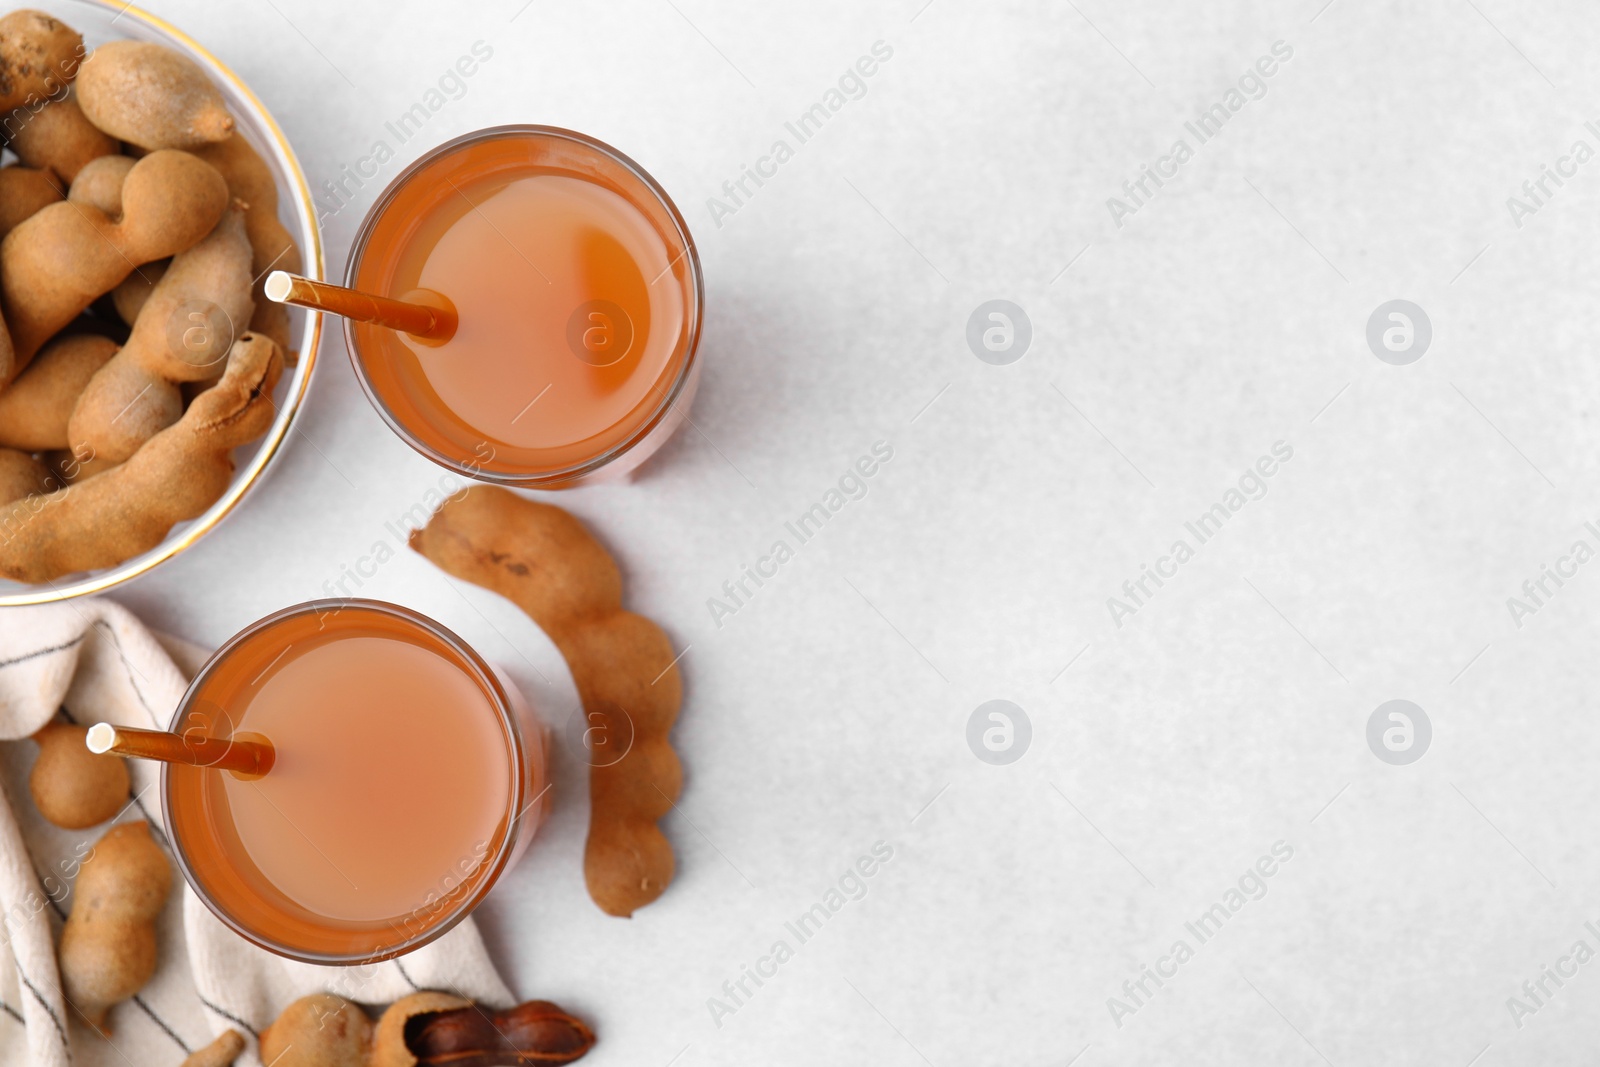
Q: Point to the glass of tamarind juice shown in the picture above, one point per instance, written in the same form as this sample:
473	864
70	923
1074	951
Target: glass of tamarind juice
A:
578	293
408	775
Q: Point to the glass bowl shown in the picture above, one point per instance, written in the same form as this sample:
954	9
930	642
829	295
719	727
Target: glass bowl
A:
100	22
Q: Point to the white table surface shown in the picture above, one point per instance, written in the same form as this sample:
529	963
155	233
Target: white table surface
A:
1230	712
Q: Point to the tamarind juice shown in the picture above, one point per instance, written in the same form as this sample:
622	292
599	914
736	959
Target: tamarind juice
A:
396	797
577	290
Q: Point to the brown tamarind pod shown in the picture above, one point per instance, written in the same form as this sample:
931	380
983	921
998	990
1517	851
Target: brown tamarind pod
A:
184	331
151	96
60	137
320	1030
108	946
58	261
118	512
71	786
39	55
543	560
23	192
99	183
437	1029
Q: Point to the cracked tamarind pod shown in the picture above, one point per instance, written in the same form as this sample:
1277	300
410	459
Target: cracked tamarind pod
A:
543	560
183	334
431	1029
57	262
108	945
115	514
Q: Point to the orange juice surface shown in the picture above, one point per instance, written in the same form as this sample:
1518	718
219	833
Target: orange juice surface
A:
571	292
390	794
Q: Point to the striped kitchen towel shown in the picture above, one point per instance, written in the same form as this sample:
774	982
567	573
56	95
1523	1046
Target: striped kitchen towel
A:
90	661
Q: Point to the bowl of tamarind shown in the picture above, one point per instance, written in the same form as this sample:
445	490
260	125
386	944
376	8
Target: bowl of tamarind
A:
146	384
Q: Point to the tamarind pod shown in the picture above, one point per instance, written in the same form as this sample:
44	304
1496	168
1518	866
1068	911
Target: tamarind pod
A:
60	137
536	1032
118	513
390	1047
183	333
54	264
23	191
320	1030
122	407
149	95
272	246
250	181
99	184
543	560
129	297
69	469
431	1029
22	476
108	945
71	786
35	409
39	55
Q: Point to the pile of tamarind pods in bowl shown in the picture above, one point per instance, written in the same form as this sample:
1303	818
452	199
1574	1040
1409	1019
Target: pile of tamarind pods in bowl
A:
146	384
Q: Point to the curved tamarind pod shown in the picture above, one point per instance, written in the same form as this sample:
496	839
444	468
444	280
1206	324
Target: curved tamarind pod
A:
250	181
183	333
272	247
99	183
202	302
118	513
39	55
23	192
121	408
60	137
56	263
151	96
108	946
543	560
